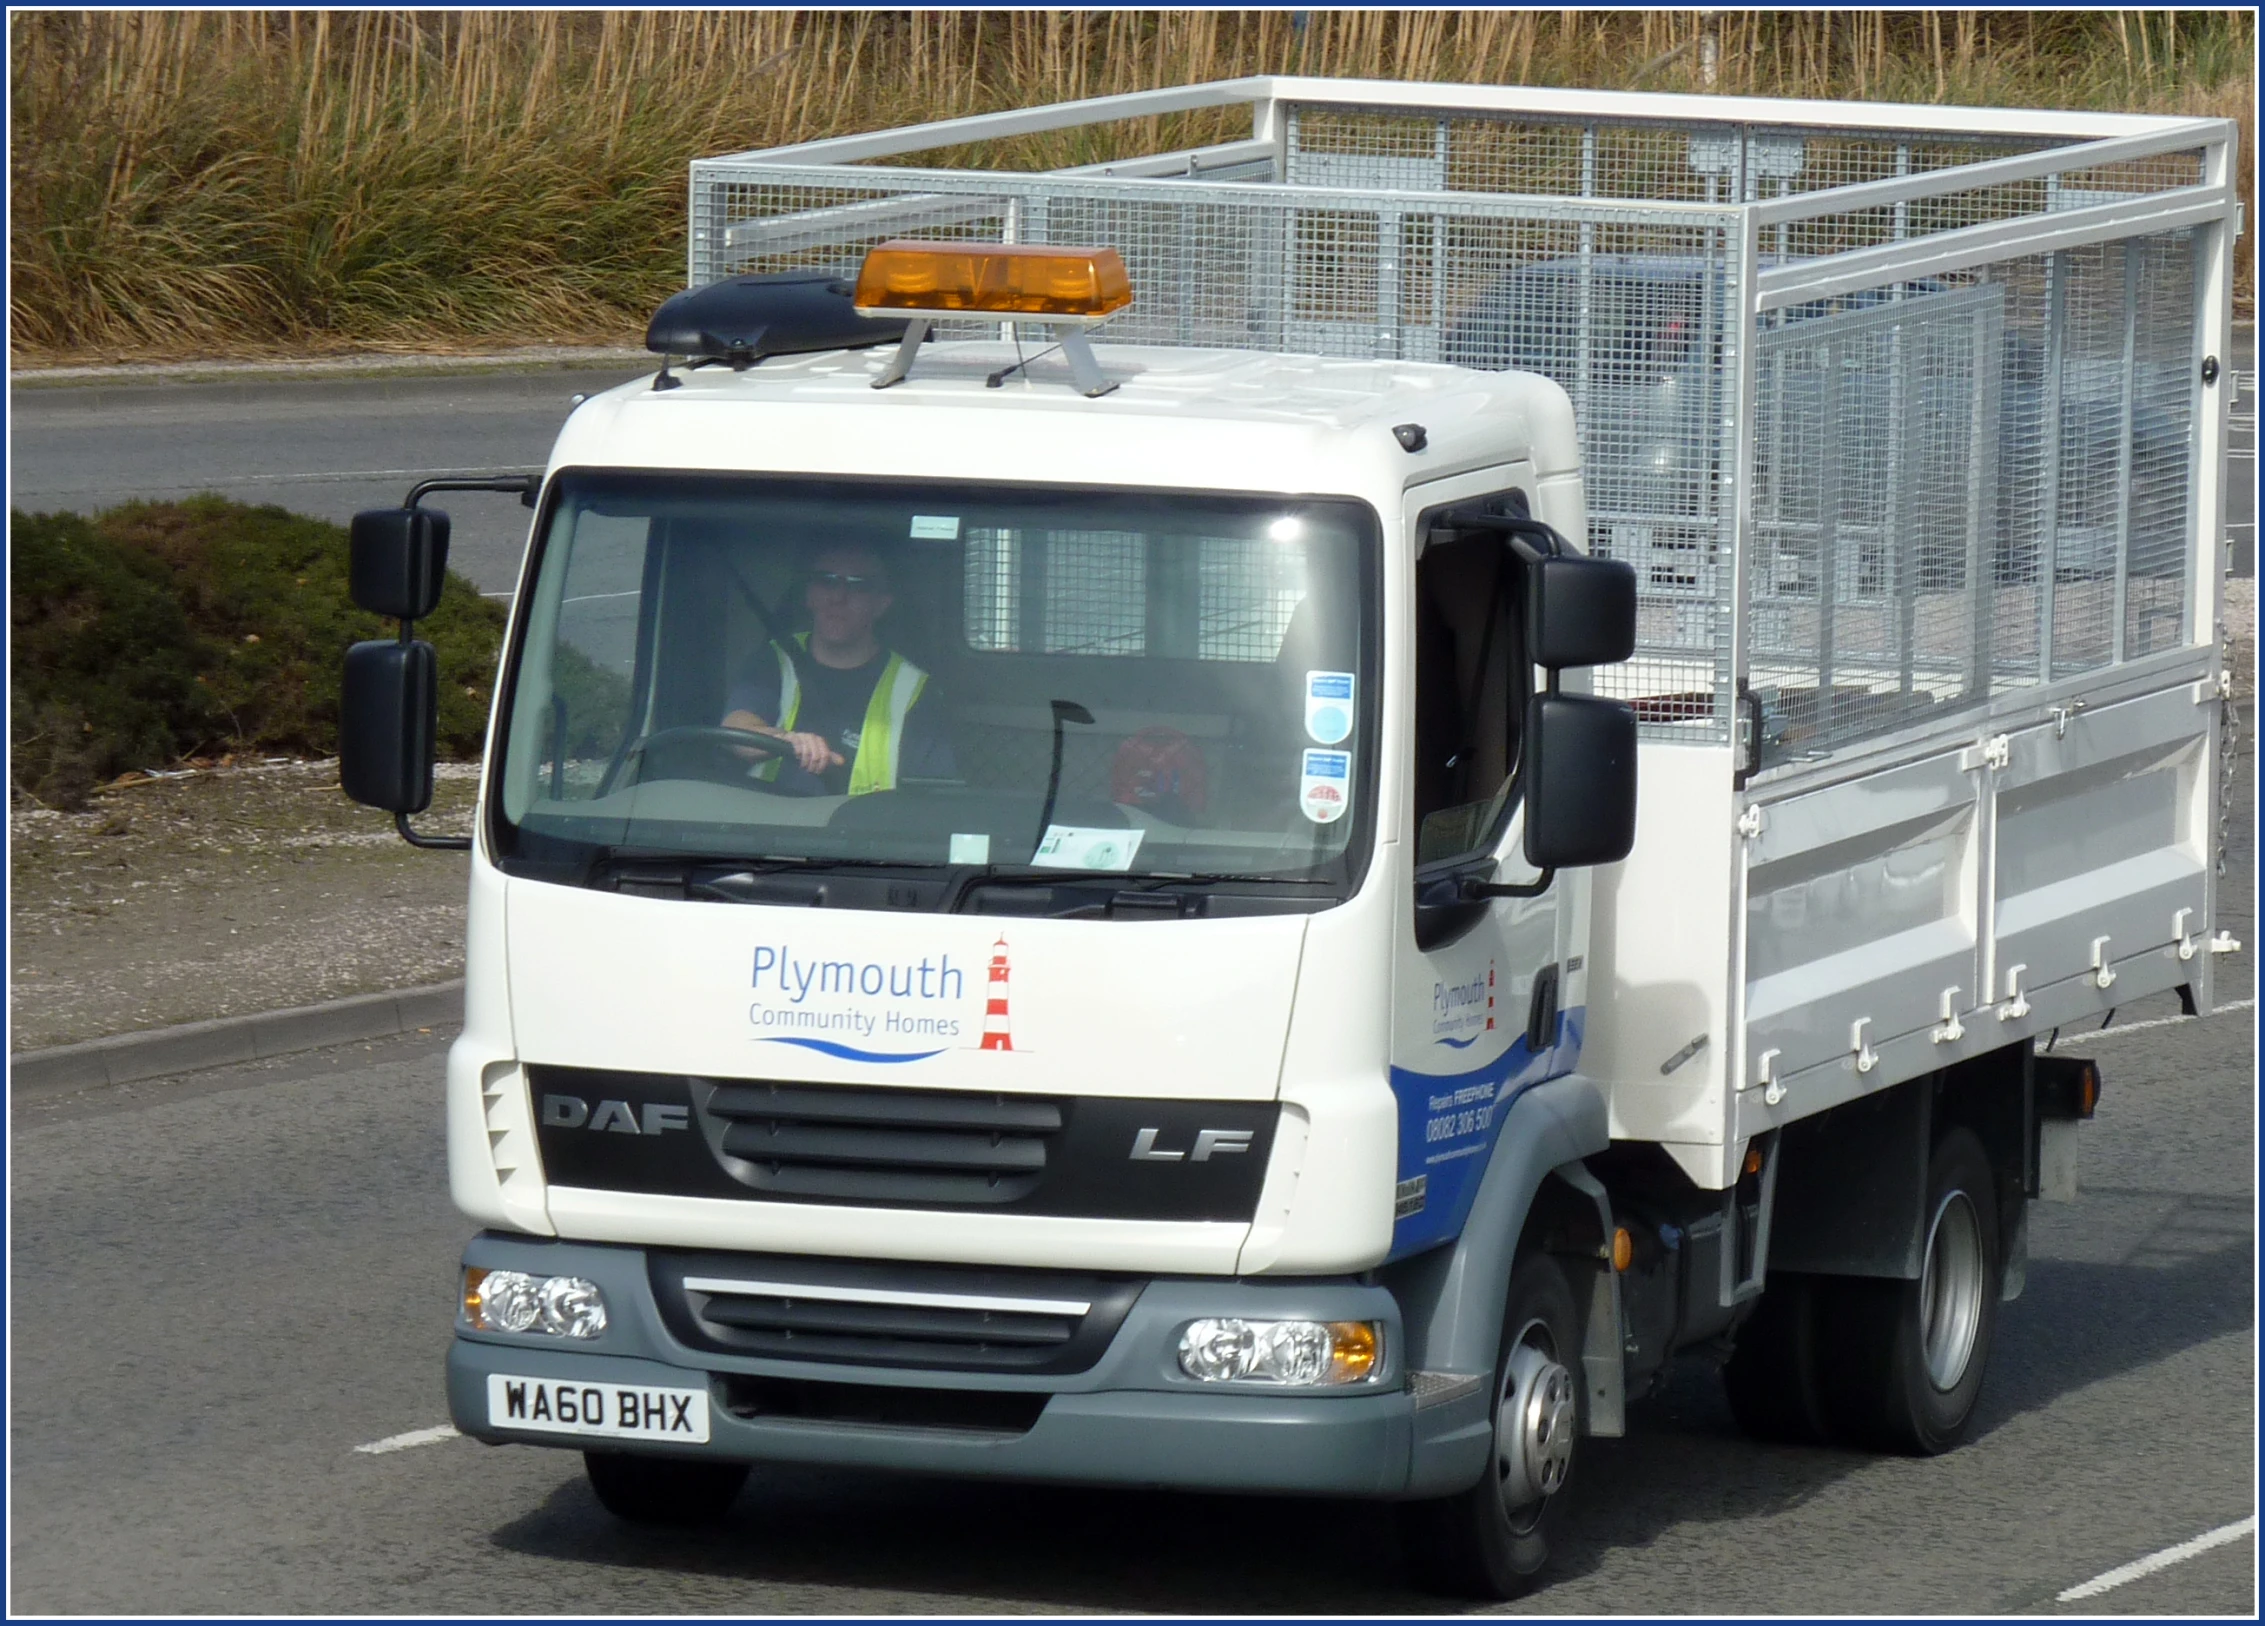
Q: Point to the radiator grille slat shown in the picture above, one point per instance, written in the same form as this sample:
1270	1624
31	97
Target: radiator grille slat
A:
790	1316
927	1149
927	1109
954	1148
877	1314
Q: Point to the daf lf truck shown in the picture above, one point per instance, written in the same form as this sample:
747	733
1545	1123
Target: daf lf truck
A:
1272	817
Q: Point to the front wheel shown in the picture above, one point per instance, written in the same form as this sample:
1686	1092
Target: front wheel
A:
1493	1540
1906	1358
675	1491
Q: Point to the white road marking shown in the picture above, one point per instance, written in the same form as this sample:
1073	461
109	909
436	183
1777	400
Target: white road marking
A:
402	1442
2091	1036
2162	1560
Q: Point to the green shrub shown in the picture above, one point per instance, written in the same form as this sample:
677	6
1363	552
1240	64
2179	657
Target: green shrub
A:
161	629
102	665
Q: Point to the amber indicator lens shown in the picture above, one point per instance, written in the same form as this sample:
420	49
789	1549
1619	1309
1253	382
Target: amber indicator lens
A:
997	278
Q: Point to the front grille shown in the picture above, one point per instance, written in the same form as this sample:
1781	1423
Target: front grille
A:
853	1145
940	1317
901	1146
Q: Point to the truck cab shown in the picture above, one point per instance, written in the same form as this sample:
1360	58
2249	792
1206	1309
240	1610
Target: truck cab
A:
1046	1085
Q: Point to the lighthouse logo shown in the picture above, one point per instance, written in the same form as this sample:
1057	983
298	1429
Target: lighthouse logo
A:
996	1034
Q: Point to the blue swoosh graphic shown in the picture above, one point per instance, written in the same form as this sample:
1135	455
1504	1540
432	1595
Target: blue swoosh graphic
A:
826	1047
1458	1044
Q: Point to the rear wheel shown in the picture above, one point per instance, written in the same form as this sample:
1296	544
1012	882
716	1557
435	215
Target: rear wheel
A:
1493	1540
1907	1357
663	1490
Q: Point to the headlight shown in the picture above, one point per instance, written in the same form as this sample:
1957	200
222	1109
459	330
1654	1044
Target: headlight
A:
1231	1350
513	1301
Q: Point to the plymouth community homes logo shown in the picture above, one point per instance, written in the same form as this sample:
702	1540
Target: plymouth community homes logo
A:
1461	1011
879	1010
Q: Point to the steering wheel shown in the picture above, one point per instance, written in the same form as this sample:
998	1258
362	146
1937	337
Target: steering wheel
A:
706	751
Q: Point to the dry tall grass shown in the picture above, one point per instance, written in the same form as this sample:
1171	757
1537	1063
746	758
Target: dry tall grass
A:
189	183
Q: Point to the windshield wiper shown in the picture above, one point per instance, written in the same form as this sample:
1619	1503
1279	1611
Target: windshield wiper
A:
665	866
733	879
1115	886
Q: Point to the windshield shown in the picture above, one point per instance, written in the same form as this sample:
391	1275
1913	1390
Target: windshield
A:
1049	682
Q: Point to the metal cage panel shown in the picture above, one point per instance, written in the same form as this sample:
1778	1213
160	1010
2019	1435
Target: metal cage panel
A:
1894	409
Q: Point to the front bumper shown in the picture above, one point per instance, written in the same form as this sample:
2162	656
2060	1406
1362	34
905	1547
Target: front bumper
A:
1130	1419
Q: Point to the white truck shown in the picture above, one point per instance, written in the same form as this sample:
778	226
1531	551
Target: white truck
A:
1504	780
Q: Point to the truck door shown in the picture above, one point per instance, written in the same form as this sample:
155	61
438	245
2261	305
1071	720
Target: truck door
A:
1476	1007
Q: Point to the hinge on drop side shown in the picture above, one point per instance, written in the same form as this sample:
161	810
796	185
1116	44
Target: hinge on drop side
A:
1994	752
2016	1002
1950	1029
1750	822
1765	1074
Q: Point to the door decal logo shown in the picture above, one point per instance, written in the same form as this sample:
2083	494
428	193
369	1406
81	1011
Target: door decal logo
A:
1462	1011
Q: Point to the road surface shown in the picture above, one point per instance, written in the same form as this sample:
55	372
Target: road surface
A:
326	446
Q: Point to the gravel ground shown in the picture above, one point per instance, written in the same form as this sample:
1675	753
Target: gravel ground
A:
223	891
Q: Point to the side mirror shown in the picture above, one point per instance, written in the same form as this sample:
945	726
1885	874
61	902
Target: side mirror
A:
1580	781
397	559
389	709
1579	611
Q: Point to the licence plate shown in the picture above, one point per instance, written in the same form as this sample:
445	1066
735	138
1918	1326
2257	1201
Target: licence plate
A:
613	1411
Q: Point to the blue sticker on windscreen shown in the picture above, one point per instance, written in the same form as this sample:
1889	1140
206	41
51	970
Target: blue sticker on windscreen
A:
1329	706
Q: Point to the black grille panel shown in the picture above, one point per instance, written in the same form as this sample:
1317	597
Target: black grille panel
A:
970	1411
927	1146
901	1146
936	1317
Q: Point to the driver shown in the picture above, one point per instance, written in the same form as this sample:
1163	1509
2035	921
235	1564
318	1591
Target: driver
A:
853	711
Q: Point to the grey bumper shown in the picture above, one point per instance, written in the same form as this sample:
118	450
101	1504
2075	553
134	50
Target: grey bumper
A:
1131	1419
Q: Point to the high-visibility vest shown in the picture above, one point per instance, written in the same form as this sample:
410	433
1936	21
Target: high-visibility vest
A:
880	738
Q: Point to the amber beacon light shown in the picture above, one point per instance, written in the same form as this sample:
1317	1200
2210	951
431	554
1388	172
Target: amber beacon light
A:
1040	281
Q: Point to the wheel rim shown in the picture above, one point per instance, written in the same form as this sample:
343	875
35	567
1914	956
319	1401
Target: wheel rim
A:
1950	1291
1533	1426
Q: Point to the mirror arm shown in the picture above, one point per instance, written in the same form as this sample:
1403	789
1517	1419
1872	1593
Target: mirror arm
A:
1530	539
1474	889
451	844
524	486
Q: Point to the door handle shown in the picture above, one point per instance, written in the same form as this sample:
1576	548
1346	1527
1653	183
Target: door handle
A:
1541	1011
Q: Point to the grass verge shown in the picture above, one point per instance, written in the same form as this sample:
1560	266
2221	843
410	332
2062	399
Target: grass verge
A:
202	183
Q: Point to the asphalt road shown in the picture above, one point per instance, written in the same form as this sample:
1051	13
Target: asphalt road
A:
224	1285
329	446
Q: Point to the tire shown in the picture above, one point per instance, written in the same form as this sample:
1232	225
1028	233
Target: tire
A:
672	1491
1773	1377
1905	1359
1492	1541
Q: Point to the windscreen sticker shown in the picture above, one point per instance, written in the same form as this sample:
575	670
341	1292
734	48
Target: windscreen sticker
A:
971	849
1075	846
1329	706
935	527
1325	785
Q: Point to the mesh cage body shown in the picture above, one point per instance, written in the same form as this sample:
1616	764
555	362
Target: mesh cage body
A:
1942	487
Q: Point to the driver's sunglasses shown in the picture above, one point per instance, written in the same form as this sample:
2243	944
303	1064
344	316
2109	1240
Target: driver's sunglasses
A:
847	583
